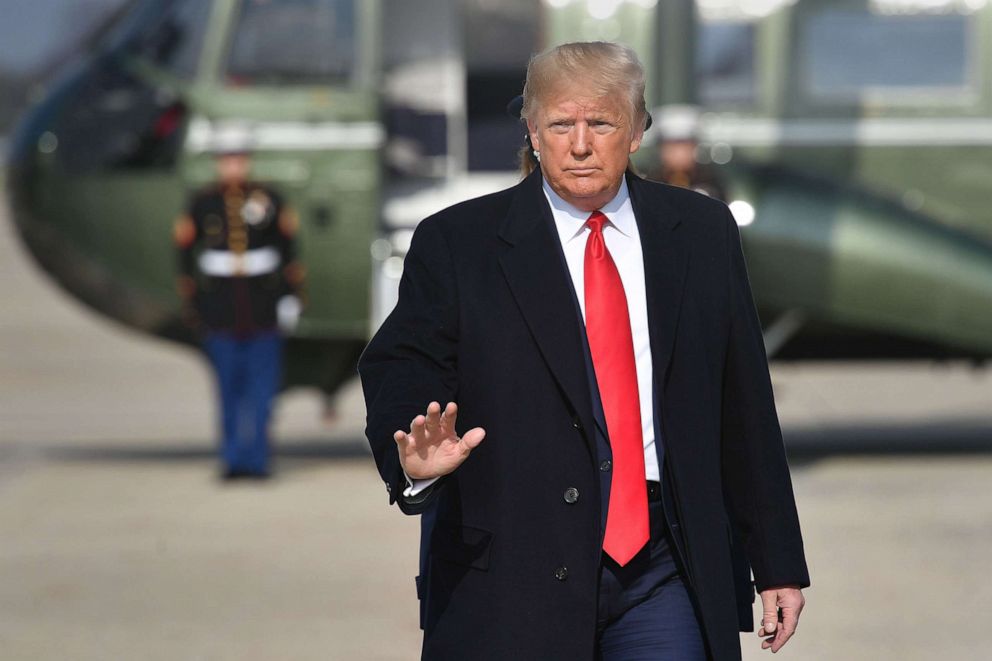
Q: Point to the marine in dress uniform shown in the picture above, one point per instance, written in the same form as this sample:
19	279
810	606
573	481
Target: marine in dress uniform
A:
678	145
242	285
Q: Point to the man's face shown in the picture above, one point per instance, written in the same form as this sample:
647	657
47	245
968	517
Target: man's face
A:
233	168
678	154
584	144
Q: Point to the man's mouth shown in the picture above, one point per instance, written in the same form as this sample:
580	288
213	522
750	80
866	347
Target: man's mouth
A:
581	172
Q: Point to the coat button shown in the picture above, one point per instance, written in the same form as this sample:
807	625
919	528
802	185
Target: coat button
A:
576	422
561	573
571	495
606	465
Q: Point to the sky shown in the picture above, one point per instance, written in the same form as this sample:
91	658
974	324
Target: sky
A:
31	31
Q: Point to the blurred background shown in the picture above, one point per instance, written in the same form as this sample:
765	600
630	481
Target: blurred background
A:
851	138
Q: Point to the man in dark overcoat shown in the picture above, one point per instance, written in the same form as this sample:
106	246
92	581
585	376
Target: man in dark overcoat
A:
573	388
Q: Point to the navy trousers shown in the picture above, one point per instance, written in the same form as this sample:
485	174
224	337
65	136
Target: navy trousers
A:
248	375
645	613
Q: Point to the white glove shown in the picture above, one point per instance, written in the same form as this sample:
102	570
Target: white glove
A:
288	311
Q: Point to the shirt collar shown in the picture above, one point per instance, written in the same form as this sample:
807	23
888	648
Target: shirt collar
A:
570	221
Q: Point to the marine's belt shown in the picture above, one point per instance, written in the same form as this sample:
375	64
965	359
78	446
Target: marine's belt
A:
226	264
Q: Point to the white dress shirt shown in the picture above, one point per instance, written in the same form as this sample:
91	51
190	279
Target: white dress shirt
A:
624	243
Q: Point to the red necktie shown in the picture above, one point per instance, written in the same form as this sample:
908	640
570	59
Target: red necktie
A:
612	346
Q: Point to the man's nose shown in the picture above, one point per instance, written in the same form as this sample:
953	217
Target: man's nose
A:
580	141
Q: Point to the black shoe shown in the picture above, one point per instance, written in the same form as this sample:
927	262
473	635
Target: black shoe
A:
231	474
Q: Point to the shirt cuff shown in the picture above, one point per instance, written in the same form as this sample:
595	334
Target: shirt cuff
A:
414	487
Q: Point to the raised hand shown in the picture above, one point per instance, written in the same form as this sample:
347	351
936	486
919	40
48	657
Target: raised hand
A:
790	601
432	448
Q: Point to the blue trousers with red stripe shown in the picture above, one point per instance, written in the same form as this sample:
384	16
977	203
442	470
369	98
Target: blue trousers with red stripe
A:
249	371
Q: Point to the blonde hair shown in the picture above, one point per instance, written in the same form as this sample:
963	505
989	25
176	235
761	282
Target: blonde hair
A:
601	67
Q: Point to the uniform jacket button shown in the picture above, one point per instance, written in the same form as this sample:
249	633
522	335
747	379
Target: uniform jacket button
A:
571	495
561	573
576	422
606	465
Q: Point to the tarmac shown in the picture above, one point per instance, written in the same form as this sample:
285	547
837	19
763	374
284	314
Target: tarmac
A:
118	542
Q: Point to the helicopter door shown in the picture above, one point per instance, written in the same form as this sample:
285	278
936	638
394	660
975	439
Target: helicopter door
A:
117	139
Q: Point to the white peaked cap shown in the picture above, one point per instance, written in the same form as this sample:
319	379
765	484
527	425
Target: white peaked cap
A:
232	138
678	122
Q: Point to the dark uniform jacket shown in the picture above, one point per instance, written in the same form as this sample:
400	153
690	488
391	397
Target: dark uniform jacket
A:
486	317
237	243
704	179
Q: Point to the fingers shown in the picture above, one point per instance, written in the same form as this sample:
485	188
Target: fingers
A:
472	438
790	618
439	424
404	441
783	604
792	602
418	428
433	422
770	637
769	614
435	427
448	418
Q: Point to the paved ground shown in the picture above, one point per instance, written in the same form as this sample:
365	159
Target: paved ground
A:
117	543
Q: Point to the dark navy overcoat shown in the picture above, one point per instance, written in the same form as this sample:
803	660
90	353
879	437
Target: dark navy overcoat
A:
486	318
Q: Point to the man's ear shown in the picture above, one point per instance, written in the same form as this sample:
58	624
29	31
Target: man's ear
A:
535	141
635	143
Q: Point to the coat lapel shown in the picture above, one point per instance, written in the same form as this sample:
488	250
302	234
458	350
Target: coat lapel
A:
666	258
534	269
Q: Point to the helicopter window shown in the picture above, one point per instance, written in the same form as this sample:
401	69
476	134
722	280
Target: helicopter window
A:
847	53
725	62
417	90
293	41
503	36
171	35
116	121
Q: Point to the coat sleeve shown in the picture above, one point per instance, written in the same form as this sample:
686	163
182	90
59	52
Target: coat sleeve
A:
411	360
185	233
757	485
287	228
